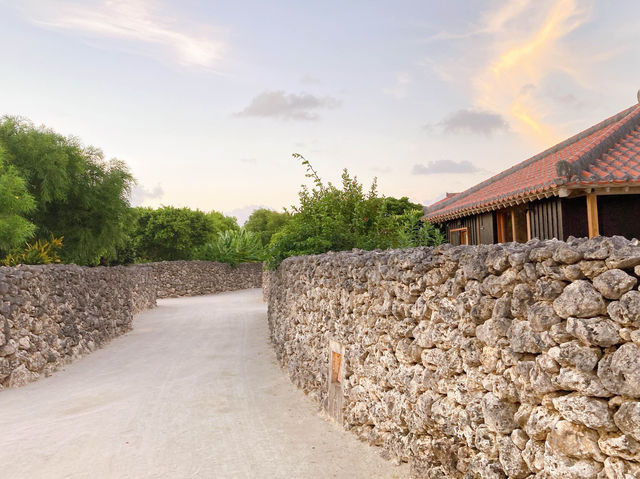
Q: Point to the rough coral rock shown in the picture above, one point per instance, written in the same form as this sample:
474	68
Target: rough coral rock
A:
627	310
579	299
627	418
574	440
614	283
600	331
498	415
591	412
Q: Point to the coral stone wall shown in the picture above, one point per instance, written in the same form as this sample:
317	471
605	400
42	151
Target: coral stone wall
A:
190	278
515	360
51	315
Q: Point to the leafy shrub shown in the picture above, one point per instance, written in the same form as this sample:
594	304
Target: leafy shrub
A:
266	223
233	247
38	252
331	218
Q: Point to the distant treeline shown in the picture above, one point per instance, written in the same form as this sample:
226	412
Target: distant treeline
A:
63	201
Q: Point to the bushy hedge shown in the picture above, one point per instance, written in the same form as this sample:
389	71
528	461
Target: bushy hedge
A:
331	218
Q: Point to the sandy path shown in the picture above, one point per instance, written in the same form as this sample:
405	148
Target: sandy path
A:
193	392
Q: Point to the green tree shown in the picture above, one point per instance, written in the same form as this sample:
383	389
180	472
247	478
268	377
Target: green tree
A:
399	206
169	233
265	223
220	222
15	203
331	218
78	194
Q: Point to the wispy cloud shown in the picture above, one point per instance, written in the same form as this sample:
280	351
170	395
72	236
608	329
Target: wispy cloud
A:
444	166
309	80
242	214
288	106
401	86
140	194
474	121
145	26
490	23
517	48
528	62
382	169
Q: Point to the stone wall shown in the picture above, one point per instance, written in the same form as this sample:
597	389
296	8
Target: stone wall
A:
190	278
51	315
516	360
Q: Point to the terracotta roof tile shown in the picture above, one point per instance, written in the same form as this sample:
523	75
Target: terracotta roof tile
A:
606	152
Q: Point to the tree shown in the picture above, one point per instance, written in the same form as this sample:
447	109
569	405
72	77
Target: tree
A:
399	206
220	222
15	202
266	222
78	194
331	218
169	233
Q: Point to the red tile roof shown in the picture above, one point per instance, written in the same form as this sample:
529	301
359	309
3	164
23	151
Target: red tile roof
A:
605	154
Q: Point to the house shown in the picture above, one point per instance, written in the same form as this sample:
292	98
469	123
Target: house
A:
587	185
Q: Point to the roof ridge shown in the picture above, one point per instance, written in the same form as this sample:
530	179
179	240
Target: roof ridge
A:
533	159
602	147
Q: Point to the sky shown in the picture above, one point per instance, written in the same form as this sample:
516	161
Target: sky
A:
206	101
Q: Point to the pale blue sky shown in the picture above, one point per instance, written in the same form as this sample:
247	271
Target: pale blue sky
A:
206	100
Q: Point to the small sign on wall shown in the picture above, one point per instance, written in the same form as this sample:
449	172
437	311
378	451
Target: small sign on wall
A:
335	398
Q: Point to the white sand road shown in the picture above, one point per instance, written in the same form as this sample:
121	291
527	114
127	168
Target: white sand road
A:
194	391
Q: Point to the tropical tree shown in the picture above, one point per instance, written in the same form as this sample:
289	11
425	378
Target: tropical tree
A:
78	194
234	247
15	203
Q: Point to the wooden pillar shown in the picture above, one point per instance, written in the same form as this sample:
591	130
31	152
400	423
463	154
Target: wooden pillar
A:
513	225
592	215
500	228
528	224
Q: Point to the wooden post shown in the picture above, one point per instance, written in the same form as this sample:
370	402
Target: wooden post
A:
513	225
592	215
500	228
528	224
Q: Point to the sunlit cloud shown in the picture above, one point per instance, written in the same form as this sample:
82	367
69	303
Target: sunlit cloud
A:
526	62
145	26
517	47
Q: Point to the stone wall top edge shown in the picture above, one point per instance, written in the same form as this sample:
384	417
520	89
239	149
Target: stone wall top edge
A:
197	261
77	268
617	244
